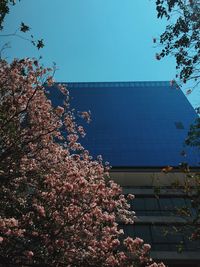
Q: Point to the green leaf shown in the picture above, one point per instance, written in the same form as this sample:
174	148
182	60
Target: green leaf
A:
40	44
24	27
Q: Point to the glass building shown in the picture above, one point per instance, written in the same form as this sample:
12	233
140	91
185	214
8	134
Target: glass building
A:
139	128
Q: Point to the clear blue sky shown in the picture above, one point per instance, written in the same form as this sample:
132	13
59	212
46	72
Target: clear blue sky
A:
93	40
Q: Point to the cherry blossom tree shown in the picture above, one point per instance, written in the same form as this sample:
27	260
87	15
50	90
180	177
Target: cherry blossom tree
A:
58	205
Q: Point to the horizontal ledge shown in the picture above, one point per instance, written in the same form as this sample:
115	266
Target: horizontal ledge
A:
117	84
162	220
151	169
150	179
152	192
173	255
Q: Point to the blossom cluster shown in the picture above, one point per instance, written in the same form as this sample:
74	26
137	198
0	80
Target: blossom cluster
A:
59	207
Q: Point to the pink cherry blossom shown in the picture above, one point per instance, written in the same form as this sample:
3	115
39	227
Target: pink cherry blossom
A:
59	206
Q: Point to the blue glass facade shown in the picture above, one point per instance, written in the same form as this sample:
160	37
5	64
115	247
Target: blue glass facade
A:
135	124
143	124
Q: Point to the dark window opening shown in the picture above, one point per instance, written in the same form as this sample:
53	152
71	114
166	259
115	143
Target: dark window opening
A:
179	125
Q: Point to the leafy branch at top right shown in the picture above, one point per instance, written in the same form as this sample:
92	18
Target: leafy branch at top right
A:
181	37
